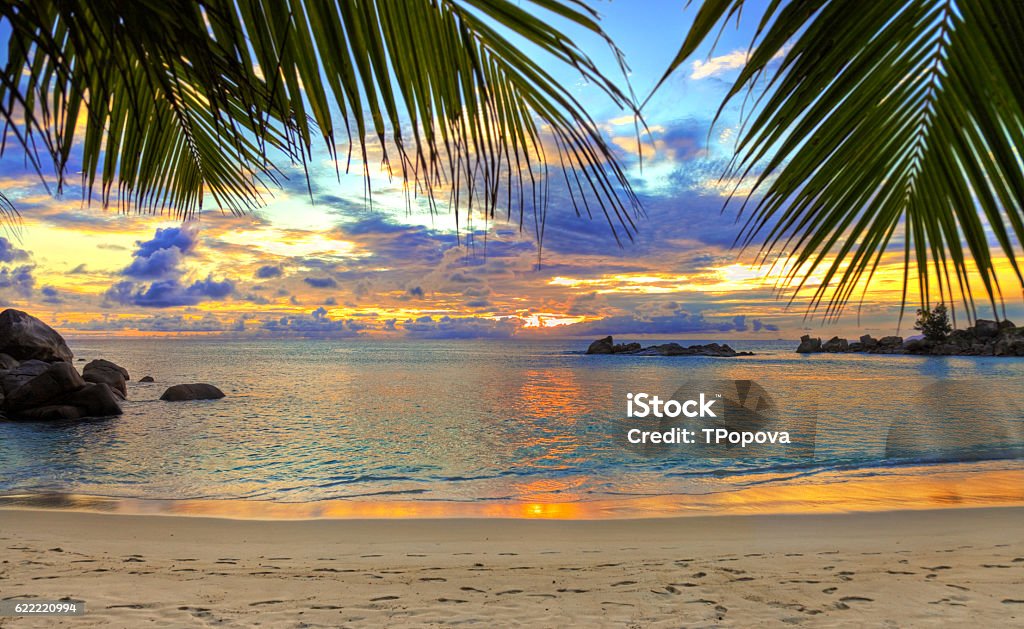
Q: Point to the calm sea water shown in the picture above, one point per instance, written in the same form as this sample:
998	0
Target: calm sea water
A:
496	421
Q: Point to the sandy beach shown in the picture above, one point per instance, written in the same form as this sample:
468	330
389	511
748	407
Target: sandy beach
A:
909	568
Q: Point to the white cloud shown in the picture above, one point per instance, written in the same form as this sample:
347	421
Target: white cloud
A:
721	64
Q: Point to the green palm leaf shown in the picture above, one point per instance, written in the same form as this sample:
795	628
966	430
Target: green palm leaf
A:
886	125
174	100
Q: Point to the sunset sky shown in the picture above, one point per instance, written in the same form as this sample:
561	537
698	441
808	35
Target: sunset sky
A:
330	266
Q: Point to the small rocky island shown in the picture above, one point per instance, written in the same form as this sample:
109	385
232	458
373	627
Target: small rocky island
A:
607	345
38	381
984	338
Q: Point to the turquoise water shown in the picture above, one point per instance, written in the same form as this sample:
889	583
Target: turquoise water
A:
497	421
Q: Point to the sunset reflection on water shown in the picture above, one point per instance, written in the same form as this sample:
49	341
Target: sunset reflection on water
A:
964	485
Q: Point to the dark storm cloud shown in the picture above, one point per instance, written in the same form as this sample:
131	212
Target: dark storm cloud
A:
316	324
169	293
268	271
18	280
10	253
161	260
320	282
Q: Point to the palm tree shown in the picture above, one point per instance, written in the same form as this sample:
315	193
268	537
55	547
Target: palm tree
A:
877	126
174	101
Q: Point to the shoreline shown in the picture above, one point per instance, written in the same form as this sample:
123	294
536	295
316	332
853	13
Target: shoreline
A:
905	568
998	483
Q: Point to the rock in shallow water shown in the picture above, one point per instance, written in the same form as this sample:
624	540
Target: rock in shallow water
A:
602	346
808	345
96	400
7	362
665	349
14	378
23	337
52	385
194	391
106	372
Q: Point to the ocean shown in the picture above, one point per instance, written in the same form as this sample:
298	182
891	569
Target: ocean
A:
507	422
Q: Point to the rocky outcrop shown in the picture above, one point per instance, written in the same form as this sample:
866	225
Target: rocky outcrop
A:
835	344
602	346
23	337
105	372
7	362
666	349
55	392
808	345
14	378
984	338
195	391
986	328
38	380
52	385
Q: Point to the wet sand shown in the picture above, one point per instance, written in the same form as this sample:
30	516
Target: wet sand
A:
908	568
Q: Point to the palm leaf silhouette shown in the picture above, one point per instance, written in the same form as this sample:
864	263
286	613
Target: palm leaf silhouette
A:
177	100
886	125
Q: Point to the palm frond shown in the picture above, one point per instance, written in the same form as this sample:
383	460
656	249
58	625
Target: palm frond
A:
180	98
887	125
